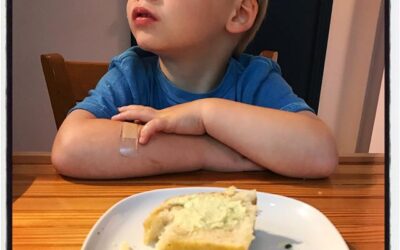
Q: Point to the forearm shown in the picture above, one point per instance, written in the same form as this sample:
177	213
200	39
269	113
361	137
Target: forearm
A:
89	148
287	143
92	151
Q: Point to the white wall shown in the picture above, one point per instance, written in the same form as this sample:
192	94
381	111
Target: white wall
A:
347	65
394	172
80	30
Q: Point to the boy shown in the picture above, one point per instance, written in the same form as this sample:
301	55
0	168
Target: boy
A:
197	101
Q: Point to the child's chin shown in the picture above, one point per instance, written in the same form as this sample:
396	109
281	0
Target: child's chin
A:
147	47
153	49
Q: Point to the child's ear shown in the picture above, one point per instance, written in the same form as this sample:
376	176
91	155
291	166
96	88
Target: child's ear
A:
243	16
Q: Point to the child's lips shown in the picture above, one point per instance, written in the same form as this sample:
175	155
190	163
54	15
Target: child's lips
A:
142	16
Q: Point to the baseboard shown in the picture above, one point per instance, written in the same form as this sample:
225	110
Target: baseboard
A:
31	158
367	158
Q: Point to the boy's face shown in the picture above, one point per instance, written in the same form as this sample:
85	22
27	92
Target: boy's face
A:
167	25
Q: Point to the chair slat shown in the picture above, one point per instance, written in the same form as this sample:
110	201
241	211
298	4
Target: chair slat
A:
84	76
69	82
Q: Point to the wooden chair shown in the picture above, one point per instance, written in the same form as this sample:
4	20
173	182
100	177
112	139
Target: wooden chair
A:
270	54
69	82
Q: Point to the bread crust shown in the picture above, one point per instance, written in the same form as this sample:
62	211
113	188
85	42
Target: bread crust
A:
181	245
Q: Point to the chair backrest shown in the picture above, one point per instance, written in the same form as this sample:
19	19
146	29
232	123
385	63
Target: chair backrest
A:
69	82
270	54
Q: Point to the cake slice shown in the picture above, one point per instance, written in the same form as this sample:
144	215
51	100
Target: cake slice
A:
203	221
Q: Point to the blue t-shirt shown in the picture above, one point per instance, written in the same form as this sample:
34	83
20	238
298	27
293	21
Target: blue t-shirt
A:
135	77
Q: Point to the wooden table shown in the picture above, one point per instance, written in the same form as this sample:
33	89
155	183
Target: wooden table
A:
53	212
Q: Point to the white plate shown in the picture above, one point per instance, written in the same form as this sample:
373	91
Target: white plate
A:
280	221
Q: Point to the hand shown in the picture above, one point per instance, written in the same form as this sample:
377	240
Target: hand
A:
179	119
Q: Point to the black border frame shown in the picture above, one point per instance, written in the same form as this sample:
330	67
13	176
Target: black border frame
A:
387	236
9	124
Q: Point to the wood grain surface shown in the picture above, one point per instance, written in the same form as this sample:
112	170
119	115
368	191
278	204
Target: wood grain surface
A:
55	212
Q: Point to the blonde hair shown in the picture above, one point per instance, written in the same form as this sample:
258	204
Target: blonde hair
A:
250	34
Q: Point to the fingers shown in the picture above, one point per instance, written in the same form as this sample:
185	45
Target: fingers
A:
135	113
142	114
133	107
152	127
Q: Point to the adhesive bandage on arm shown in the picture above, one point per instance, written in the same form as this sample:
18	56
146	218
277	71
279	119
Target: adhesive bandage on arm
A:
129	139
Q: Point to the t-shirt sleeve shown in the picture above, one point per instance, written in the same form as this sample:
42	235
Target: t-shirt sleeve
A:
280	95
111	92
274	92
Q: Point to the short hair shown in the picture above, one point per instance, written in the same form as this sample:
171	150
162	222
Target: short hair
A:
250	34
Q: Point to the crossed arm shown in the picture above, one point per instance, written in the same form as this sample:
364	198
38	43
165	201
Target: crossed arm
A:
212	134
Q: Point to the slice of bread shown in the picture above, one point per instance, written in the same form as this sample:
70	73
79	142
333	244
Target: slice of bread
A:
203	221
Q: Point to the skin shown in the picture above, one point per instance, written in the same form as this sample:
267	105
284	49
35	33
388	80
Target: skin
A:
205	134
